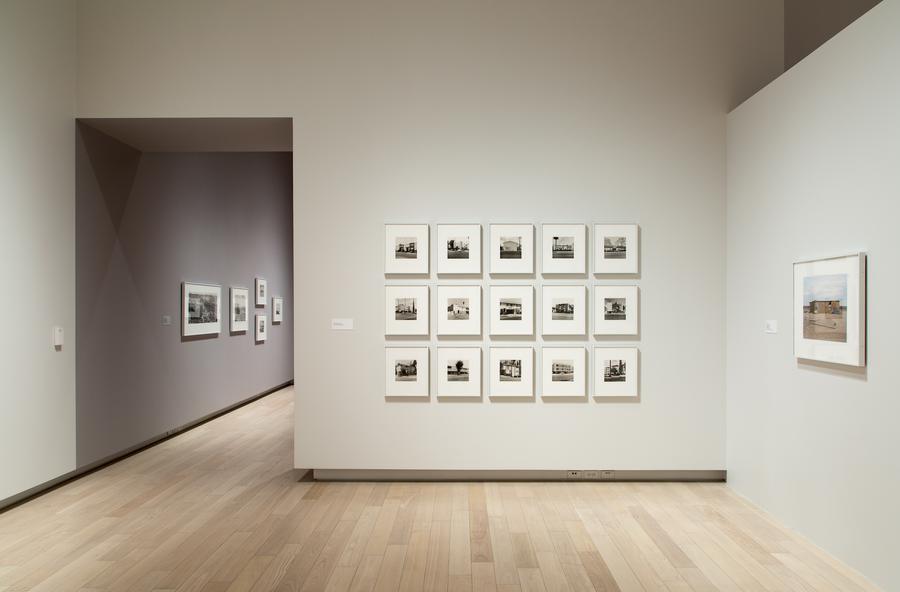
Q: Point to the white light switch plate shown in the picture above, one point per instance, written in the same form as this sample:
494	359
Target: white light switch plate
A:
59	337
771	326
342	324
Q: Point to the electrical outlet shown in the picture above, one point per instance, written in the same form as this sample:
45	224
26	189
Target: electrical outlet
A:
607	475
573	474
592	475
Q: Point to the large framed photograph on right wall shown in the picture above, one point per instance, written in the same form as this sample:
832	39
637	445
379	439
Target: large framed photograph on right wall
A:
830	310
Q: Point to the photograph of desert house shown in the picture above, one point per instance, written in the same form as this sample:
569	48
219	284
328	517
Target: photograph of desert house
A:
563	247
458	248
614	247
614	309
457	309
563	309
510	247
458	371
563	371
406	371
405	309
405	248
510	309
510	370
825	307
614	371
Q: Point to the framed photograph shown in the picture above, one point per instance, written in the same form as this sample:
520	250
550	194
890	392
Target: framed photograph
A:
616	310
512	310
616	372
512	249
616	249
406	310
563	372
512	372
262	291
563	249
563	310
459	372
830	310
200	309
406	372
459	249
277	309
459	310
240	306
262	327
406	249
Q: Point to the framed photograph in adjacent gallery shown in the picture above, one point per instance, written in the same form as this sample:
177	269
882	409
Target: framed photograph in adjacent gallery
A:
512	372
512	310
563	249
512	249
563	310
406	249
261	287
459	372
406	372
240	307
459	249
563	372
616	310
277	309
830	310
459	310
262	327
616	372
406	310
616	249
200	309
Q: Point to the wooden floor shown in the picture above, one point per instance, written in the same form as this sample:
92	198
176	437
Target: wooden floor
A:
219	509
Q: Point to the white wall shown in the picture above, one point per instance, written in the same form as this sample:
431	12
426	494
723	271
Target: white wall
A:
473	112
812	172
37	239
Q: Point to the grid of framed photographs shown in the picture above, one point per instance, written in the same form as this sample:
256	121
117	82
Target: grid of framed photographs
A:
557	310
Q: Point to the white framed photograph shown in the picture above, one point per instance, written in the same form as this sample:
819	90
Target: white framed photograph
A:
563	310
512	372
277	309
240	306
406	310
830	310
512	310
406	372
563	249
459	372
459	310
201	306
406	249
261	288
616	249
512	249
459	249
563	372
262	327
616	372
616	310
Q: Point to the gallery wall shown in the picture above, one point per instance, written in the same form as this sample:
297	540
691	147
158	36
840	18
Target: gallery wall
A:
146	222
37	239
812	173
473	112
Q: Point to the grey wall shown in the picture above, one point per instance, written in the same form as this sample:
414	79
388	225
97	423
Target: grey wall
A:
37	239
145	223
810	23
812	172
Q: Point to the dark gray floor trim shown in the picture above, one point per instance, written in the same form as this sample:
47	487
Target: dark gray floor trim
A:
713	475
29	494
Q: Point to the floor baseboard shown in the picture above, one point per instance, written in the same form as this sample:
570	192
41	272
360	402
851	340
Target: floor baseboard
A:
712	475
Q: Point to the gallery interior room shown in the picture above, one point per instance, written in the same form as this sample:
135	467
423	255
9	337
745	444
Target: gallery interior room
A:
507	295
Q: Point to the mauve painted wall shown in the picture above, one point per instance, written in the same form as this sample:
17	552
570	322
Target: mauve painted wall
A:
145	222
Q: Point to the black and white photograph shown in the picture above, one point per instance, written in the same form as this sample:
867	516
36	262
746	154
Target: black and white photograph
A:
240	308
261	287
563	371
406	372
406	249
563	247
510	370
614	371
614	309
458	247
563	309
405	309
201	309
825	307
262	327
461	306
240	305
277	309
615	247
457	309
510	309
458	371
510	247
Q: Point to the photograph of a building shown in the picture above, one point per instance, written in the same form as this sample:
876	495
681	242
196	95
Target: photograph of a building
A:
510	247
563	247
458	247
614	371
458	371
614	309
510	309
406	371
405	248
405	309
825	307
457	309
563	371
563	309
202	308
510	370
240	307
614	247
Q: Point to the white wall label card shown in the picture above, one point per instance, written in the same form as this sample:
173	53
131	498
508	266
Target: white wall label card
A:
341	324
